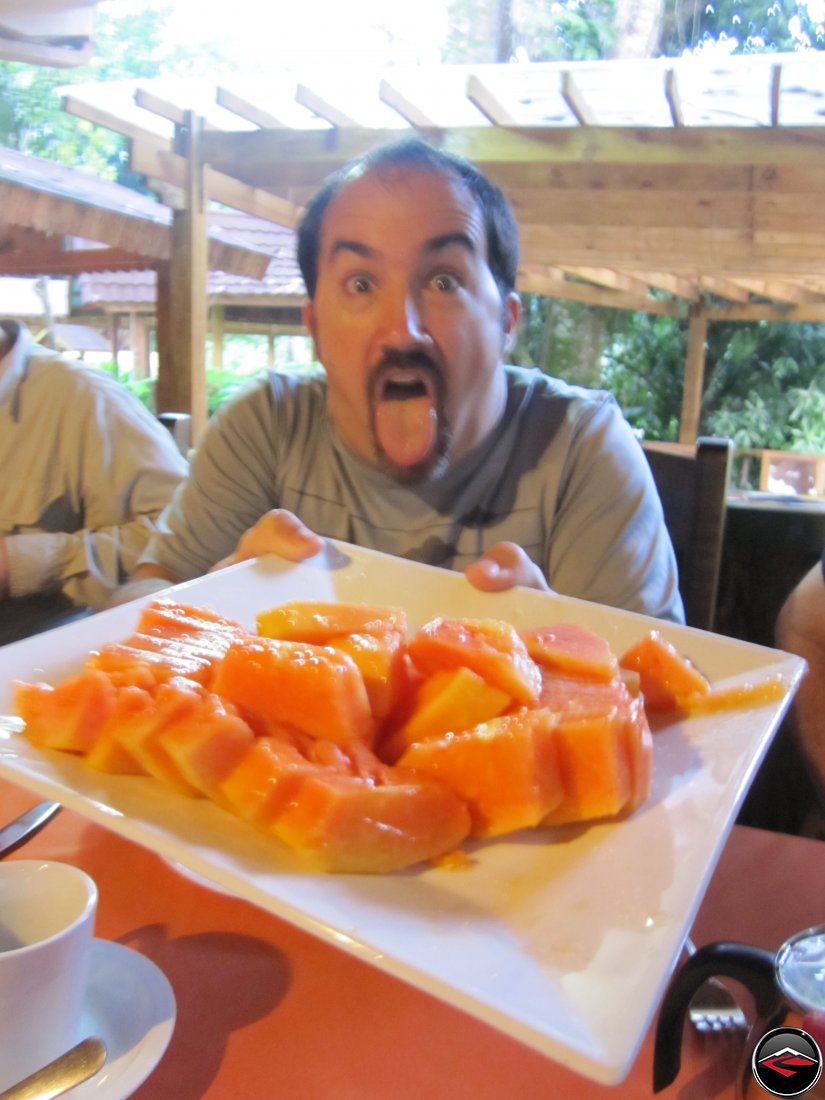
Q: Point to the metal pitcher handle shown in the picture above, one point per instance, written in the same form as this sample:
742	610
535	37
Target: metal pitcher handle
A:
754	967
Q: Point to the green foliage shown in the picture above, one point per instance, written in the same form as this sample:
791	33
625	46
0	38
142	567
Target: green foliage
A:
642	364
128	43
567	30
743	26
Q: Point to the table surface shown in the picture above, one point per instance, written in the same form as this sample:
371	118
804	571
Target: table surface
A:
266	1010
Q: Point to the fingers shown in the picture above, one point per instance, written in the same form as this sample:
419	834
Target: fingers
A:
503	566
278	532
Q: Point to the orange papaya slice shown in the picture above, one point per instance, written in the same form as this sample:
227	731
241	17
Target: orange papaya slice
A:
381	662
567	647
205	743
264	779
345	823
139	730
489	647
313	688
68	716
668	681
109	754
505	770
318	622
447	701
596	768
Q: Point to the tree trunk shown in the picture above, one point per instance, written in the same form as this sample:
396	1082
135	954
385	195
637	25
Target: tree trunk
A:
638	24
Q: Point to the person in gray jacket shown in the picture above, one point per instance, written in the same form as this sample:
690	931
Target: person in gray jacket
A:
86	472
418	440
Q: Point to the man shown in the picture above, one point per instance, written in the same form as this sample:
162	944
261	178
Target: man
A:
86	471
419	441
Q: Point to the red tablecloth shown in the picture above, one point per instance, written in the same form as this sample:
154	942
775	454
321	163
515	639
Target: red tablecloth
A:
268	1012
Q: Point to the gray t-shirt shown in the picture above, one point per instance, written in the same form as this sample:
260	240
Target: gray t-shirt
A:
561	475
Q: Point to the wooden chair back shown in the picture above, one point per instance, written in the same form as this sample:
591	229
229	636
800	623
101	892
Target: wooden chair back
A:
693	486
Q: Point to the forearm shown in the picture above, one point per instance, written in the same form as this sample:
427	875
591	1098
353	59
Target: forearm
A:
88	565
801	630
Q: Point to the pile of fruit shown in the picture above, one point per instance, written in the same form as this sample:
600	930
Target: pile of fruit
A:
364	746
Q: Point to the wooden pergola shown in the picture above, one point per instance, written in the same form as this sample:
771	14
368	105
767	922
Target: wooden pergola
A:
689	186
57	221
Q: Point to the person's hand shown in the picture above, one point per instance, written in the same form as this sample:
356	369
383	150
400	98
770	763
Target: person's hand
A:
504	566
278	532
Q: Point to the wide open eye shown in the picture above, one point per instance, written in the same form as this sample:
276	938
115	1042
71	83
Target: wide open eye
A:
358	284
445	282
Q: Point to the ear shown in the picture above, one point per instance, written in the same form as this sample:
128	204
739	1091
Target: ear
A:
308	314
512	315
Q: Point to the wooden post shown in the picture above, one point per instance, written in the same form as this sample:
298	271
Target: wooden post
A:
139	340
217	337
182	296
694	374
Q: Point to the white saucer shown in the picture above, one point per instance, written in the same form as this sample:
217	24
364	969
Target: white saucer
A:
130	1004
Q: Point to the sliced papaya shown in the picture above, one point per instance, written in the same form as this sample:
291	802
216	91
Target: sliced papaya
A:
667	679
318	622
567	647
345	823
505	770
109	754
381	662
264	779
139	731
639	747
489	647
596	768
68	716
448	701
168	618
316	689
205	743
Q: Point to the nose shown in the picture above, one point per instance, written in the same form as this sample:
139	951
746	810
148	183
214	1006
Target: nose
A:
402	323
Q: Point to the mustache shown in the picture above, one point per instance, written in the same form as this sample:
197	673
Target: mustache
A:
406	359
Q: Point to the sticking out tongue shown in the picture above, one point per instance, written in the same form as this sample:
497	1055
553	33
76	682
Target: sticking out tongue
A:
406	422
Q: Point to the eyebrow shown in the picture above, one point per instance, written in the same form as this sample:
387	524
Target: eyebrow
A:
435	244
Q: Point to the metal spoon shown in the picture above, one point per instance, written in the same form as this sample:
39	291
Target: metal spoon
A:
70	1069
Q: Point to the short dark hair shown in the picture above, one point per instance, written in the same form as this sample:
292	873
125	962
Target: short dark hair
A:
499	220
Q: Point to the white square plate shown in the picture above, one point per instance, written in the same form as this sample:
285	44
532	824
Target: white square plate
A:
563	938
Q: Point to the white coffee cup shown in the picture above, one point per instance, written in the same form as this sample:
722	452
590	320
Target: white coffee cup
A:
47	916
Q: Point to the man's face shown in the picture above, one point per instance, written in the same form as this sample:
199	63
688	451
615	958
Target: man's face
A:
409	322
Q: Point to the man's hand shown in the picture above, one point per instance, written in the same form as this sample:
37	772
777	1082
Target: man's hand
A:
504	566
278	532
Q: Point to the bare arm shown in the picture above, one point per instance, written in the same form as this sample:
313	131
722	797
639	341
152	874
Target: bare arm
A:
800	629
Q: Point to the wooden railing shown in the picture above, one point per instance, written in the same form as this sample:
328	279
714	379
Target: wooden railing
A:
789	472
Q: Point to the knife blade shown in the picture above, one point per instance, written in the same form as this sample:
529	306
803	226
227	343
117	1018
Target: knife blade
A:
24	827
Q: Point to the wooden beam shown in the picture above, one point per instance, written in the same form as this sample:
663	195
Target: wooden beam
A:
285	158
482	96
673	97
694	374
402	105
761	311
536	281
149	101
574	98
181	385
48	261
322	107
149	160
251	112
776	87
